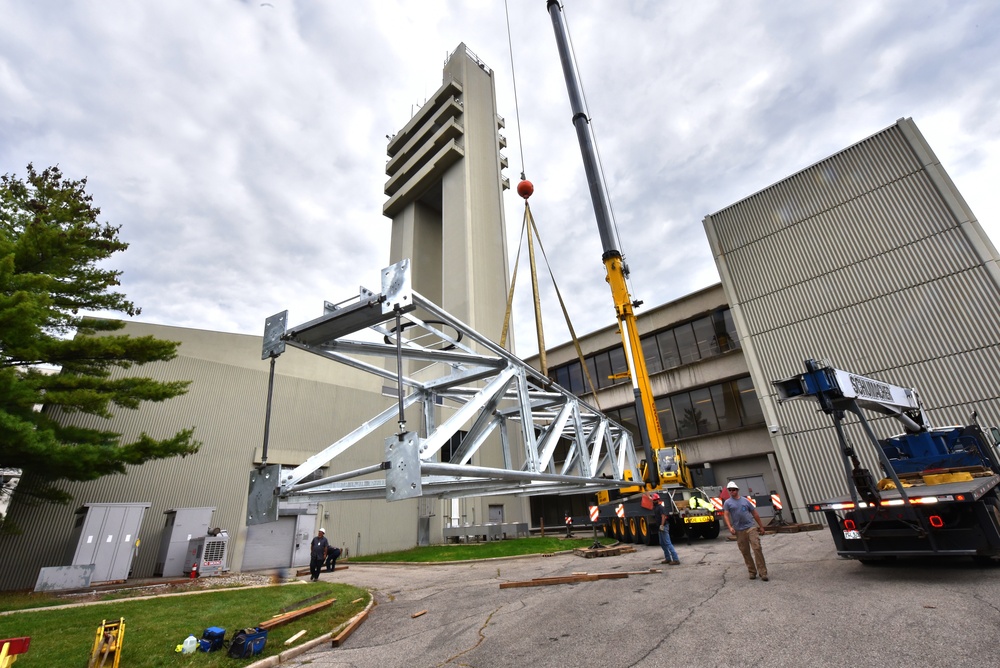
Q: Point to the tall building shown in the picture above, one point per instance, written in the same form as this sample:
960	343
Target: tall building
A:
870	260
445	191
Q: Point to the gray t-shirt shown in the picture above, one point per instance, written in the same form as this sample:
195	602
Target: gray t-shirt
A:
317	548
740	513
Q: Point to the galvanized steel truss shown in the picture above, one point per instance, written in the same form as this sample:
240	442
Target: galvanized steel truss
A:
480	390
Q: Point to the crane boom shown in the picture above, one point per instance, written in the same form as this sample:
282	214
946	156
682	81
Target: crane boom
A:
617	271
836	389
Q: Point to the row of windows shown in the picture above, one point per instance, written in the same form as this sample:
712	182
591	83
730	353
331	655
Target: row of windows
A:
715	408
710	335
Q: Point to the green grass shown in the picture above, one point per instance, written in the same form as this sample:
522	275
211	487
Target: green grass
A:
154	627
487	550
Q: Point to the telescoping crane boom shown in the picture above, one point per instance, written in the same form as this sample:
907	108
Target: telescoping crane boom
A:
940	493
614	263
665	466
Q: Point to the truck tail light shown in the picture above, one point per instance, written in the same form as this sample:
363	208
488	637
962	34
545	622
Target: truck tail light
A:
936	521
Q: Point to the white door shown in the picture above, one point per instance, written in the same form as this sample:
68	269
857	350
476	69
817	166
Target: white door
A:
269	545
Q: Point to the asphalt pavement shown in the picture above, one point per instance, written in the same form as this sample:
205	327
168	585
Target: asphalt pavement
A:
816	610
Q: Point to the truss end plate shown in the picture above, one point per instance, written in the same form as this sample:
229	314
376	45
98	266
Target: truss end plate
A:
274	329
262	504
402	479
397	287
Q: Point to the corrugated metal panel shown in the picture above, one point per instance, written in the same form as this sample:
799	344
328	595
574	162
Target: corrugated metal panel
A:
226	402
859	260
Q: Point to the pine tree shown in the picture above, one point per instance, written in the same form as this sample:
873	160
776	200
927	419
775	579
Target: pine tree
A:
54	358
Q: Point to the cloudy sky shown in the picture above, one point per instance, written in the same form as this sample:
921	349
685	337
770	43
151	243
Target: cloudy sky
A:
241	145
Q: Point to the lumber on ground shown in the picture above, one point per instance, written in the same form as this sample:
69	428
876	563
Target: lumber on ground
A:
295	614
575	577
295	637
351	627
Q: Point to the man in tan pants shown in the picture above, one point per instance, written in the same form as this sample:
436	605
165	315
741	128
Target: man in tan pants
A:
743	521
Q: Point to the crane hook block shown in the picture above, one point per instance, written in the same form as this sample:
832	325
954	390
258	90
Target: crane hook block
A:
524	189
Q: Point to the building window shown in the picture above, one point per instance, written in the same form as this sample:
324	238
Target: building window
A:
706	338
688	342
750	410
707	410
726	400
667	344
704	411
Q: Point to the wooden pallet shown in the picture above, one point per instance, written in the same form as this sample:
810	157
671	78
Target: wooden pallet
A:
593	552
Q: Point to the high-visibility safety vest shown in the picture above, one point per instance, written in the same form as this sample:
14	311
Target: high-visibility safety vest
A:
697	502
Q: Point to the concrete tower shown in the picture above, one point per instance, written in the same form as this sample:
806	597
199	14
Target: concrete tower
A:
445	187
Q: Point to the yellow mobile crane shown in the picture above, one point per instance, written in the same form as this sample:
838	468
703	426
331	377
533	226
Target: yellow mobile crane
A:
628	514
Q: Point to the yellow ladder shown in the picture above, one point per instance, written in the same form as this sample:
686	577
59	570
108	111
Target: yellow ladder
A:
108	642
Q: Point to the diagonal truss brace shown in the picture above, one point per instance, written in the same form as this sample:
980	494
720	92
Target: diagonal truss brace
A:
474	396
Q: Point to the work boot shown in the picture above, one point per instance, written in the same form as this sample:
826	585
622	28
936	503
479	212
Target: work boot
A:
664	561
753	576
764	578
674	563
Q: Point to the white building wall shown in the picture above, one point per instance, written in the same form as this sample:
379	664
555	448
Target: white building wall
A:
872	261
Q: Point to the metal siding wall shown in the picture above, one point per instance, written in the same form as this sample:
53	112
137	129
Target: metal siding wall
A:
859	260
225	403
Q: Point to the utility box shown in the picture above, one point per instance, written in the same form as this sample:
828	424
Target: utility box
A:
106	535
207	554
179	527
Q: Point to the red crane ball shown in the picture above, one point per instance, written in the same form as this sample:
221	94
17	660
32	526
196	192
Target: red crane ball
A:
524	189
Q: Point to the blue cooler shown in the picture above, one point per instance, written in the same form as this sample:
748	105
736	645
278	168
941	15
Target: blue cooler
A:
212	639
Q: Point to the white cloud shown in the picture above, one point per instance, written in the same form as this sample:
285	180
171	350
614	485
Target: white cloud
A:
241	145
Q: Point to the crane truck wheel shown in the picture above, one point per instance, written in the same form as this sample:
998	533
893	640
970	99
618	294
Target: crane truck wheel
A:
650	532
710	532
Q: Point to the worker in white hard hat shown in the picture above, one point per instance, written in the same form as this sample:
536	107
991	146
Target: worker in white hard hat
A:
317	554
744	522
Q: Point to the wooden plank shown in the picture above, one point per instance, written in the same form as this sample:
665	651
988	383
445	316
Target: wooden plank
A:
301	604
295	614
351	627
305	571
543	582
295	637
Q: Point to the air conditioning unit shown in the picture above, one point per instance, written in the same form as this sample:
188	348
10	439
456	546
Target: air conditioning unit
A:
207	554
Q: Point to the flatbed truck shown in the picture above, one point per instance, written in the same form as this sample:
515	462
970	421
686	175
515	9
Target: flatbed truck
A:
941	492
